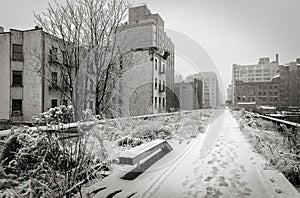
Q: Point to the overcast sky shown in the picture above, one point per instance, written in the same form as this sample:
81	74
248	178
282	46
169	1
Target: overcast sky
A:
229	31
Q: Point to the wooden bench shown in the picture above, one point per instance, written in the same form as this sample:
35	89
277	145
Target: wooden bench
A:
137	154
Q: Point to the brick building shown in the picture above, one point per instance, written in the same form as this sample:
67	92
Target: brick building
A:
263	93
290	85
264	71
145	87
283	91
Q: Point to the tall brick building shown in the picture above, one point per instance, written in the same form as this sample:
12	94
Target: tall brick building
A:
145	86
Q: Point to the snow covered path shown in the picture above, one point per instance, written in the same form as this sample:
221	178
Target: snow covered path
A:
219	163
223	168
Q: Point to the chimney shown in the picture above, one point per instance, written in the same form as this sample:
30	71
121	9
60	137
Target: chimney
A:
277	58
1	29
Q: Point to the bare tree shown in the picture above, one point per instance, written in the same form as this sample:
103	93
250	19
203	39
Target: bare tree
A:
64	24
86	32
105	60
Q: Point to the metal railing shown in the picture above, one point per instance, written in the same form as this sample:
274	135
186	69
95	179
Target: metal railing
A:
293	124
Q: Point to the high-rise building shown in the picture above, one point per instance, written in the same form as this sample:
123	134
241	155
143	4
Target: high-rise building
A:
145	87
261	72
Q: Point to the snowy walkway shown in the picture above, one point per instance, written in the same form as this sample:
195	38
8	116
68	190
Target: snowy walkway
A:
219	163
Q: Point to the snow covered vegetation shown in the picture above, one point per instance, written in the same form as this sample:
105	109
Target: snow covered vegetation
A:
56	163
278	144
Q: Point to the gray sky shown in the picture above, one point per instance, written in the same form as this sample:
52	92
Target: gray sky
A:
230	31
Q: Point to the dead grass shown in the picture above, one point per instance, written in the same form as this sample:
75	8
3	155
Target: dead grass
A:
274	145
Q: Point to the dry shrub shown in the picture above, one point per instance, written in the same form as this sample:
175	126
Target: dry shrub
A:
281	149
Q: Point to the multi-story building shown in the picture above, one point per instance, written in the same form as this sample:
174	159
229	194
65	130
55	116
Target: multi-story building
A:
211	90
290	85
188	95
282	91
261	72
262	93
145	87
30	75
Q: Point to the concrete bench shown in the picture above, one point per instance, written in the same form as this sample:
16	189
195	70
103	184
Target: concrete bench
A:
137	154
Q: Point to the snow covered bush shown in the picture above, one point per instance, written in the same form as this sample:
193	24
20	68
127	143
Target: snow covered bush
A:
37	163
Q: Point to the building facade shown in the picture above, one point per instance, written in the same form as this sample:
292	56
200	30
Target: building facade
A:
281	92
146	85
188	95
261	72
290	85
30	74
211	91
263	93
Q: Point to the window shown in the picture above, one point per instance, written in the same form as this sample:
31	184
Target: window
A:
91	85
164	85
17	78
53	55
65	57
16	107
161	68
54	103
54	79
91	105
155	64
155	83
159	86
159	101
65	102
17	52
155	102
159	65
163	102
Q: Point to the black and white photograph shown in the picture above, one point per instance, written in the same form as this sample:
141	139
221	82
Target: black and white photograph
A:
150	98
